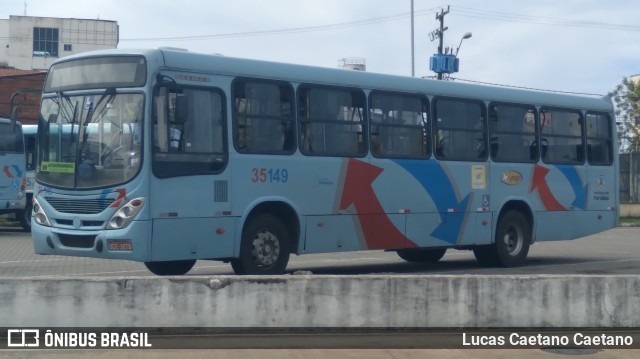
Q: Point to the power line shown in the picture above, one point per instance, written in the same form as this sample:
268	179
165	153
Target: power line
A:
288	30
460	11
539	20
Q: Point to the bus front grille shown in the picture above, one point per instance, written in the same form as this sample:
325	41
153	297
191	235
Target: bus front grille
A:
77	241
82	206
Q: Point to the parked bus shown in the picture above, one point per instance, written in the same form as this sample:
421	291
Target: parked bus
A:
13	176
216	158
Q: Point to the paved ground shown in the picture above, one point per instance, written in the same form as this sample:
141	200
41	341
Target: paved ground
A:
612	252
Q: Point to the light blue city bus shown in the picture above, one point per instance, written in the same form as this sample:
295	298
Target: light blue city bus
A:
168	157
13	176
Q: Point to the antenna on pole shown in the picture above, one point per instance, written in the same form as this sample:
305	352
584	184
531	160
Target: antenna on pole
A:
25	8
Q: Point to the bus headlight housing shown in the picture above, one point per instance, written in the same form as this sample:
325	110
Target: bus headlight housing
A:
38	214
125	215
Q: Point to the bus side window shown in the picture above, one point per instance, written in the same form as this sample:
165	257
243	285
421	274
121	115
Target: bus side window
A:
460	130
599	139
398	125
263	116
562	135
513	133
331	121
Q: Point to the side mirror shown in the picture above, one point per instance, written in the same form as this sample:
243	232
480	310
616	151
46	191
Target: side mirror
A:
181	110
14	119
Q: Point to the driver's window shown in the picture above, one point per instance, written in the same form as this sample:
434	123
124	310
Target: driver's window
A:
188	131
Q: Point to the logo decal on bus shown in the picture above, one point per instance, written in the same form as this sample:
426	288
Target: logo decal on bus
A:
511	177
7	171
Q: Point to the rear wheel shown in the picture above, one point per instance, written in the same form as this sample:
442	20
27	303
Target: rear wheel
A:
170	267
422	255
265	247
510	249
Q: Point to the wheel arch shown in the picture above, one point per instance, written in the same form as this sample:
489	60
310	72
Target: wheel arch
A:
280	207
520	205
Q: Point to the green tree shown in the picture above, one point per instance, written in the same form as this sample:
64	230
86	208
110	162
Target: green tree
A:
626	97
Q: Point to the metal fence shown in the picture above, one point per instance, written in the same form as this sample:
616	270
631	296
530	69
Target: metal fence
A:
630	178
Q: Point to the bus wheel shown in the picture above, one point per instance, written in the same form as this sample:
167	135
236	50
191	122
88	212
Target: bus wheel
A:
170	267
264	248
422	255
513	237
25	217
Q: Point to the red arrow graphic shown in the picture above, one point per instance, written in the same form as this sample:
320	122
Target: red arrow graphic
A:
539	182
7	172
378	230
122	195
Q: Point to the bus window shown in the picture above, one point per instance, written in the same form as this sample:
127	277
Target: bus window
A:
10	140
460	130
263	113
399	125
188	132
513	133
331	121
561	136
599	142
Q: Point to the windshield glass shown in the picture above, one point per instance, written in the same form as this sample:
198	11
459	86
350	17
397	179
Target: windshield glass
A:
91	140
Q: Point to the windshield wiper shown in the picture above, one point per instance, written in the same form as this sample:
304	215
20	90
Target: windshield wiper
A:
108	94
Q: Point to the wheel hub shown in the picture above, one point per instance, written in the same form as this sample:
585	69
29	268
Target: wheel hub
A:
266	248
513	239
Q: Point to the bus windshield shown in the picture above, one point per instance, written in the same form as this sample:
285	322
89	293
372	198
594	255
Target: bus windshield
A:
90	140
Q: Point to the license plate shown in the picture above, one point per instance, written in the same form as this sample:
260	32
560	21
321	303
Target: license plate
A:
120	246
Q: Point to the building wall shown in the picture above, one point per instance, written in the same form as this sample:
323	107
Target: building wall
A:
28	104
81	34
4	42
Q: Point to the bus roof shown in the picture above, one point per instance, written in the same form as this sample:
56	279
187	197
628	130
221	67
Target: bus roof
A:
222	65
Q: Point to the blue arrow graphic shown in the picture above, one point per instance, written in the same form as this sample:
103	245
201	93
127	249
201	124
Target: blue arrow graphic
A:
579	189
18	172
435	181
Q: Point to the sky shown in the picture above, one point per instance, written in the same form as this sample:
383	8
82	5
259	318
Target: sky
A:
583	46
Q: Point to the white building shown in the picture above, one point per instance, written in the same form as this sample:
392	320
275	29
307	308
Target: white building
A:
33	43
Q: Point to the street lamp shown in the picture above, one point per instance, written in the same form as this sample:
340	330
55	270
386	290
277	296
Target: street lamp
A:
465	36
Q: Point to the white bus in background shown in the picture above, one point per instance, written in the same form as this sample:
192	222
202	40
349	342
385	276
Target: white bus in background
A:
12	173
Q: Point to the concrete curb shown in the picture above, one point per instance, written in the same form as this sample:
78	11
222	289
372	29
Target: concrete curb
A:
324	301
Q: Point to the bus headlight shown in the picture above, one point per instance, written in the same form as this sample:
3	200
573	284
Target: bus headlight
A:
38	214
125	214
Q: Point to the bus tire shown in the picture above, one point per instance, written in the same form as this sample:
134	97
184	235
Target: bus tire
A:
510	249
170	267
25	217
264	248
422	255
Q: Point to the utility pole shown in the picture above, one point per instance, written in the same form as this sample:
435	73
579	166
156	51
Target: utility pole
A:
413	65
441	31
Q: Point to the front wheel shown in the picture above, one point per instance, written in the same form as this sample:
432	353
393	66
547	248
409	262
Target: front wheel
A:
265	247
422	255
24	217
510	249
170	267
